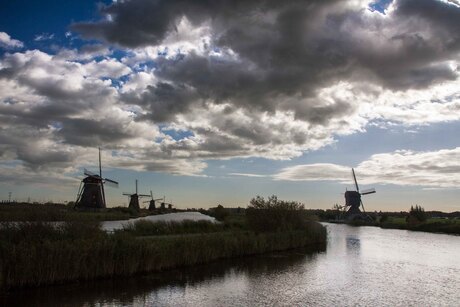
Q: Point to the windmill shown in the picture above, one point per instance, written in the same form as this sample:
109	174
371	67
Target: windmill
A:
353	201
91	193
152	202
134	199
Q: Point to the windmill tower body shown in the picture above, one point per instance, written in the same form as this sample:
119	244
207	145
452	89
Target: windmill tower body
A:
134	200
91	195
152	205
353	200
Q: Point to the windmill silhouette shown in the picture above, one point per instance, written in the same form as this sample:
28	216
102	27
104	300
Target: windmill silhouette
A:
91	193
152	202
134	199
353	201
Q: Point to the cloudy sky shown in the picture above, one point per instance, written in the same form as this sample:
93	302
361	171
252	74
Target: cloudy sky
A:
212	102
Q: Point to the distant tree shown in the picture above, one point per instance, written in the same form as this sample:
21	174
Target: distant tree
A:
416	215
275	215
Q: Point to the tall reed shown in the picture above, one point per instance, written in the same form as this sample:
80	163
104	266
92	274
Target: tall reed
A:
37	254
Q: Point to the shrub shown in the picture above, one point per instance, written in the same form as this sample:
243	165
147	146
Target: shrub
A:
416	215
219	213
275	215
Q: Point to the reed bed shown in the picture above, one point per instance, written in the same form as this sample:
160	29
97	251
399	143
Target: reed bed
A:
33	254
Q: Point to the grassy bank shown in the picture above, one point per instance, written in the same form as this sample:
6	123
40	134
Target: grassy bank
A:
447	226
17	212
50	212
34	254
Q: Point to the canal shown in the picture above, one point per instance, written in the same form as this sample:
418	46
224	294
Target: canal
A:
360	266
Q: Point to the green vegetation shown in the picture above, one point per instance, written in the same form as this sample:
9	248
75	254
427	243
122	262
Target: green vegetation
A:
437	225
416	215
49	212
38	253
275	215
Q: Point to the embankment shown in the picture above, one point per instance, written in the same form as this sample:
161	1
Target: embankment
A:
433	227
38	254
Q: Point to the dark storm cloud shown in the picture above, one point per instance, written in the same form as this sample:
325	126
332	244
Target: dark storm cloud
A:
92	133
145	22
296	46
163	100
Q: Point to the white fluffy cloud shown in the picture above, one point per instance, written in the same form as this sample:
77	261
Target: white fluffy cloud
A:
7	42
430	169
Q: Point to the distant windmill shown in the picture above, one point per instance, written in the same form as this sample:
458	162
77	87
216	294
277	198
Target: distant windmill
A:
91	193
152	201
134	199
353	201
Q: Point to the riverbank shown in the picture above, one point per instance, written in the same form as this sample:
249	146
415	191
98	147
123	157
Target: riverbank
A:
431	225
34	254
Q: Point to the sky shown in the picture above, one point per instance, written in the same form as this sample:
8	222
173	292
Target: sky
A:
215	102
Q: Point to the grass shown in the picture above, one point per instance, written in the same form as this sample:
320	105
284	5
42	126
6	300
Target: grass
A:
449	226
33	254
59	212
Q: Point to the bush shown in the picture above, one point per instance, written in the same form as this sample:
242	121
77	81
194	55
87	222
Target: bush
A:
416	215
219	213
275	215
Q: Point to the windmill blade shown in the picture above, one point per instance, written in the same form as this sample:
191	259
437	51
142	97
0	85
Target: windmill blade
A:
158	199
151	194
143	195
146	201
111	182
368	191
128	194
362	205
356	182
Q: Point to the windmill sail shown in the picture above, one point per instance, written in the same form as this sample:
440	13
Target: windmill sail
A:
356	182
368	191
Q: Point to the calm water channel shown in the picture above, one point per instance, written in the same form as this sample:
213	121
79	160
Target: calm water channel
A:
364	266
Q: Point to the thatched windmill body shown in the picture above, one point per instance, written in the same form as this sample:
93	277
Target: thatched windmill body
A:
91	193
353	201
134	199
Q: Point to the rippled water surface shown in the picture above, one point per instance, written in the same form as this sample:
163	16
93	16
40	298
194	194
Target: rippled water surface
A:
364	266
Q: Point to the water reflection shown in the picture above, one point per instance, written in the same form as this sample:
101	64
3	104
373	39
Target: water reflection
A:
362	266
353	244
147	289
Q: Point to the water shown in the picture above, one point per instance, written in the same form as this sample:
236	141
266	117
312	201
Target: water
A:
170	217
362	266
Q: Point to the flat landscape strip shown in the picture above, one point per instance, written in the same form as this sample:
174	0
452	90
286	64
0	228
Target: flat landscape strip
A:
33	263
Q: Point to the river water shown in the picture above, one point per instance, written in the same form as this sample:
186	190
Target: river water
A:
360	266
169	217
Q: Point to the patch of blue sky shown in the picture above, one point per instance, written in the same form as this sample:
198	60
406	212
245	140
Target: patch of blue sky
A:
10	163
176	134
118	82
380	5
26	24
56	125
